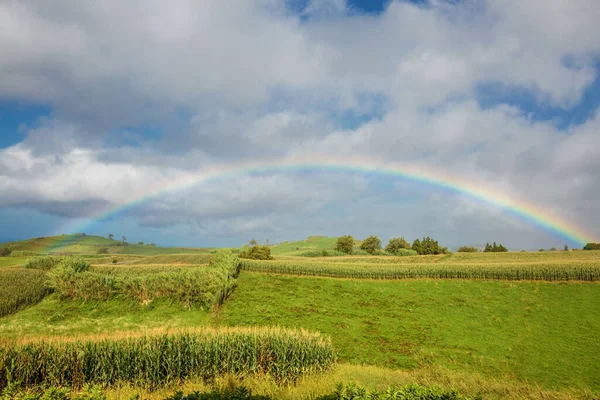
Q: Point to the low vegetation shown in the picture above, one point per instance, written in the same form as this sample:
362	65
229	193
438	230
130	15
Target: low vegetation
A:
495	248
547	272
20	288
257	252
592	246
201	286
158	360
467	249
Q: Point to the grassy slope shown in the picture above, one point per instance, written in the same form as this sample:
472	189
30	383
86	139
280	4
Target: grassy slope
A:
12	261
78	244
548	334
53	317
310	243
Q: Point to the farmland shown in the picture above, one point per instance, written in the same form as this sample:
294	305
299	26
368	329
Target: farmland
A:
496	325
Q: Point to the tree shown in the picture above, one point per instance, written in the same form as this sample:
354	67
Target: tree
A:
111	236
395	244
495	248
467	249
253	242
371	244
566	248
502	249
345	244
267	242
488	248
592	246
141	243
416	246
124	239
257	252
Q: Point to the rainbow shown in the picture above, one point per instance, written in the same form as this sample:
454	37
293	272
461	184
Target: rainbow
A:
532	213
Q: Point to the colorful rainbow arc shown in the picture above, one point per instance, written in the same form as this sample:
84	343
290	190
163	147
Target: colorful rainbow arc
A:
532	213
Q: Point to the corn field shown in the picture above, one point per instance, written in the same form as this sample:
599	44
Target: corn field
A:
20	288
575	271
194	286
153	361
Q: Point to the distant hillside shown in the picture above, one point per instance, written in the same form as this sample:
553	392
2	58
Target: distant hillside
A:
84	244
310	243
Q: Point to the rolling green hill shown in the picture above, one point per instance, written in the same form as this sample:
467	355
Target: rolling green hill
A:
310	243
84	244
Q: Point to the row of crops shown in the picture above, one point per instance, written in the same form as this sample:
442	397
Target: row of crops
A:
202	286
577	271
20	288
158	360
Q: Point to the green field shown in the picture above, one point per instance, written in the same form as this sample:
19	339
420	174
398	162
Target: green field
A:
493	338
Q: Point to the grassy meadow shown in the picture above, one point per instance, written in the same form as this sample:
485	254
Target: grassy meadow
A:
472	321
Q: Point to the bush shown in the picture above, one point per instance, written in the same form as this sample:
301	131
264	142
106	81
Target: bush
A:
5	251
381	253
395	244
43	262
257	252
23	253
345	244
322	253
467	249
407	392
371	244
406	252
103	250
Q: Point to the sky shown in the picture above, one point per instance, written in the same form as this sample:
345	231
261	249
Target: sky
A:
105	107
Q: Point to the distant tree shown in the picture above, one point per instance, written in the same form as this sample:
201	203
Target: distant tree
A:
495	248
566	248
257	252
553	249
103	250
267	242
345	244
141	243
253	242
5	251
467	249
541	250
395	244
371	244
111	236
592	246
430	246
416	246
124	239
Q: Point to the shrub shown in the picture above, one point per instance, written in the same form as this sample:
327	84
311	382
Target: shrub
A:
43	262
75	263
5	251
103	250
406	252
345	244
371	244
23	253
257	252
395	244
322	253
467	249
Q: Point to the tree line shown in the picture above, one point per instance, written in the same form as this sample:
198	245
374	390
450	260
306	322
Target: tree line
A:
372	245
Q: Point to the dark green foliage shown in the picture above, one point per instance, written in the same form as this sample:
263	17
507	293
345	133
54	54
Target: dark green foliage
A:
103	250
322	253
20	288
371	244
407	392
345	244
495	248
5	251
428	246
160	360
257	252
395	244
14	391
239	393
592	246
566	248
467	249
